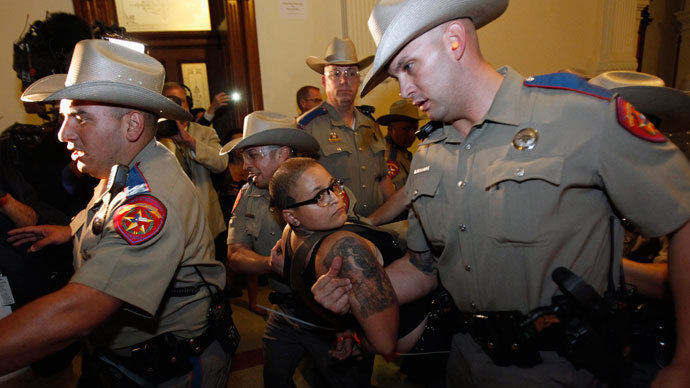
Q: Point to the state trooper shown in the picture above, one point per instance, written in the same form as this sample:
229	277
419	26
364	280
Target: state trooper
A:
352	145
402	122
254	233
523	181
146	280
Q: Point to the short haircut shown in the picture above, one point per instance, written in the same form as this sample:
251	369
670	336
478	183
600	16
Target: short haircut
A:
285	178
303	92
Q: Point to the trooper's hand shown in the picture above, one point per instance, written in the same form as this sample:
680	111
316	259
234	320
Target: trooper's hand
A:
331	291
41	234
277	258
345	346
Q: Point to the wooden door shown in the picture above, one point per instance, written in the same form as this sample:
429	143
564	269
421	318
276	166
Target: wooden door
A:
229	50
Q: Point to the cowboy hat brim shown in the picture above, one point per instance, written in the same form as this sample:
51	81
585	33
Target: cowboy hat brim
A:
52	88
318	64
416	17
671	106
289	137
388	119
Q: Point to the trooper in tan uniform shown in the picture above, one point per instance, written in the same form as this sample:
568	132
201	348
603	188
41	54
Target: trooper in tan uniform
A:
143	252
253	233
197	148
352	145
526	176
402	122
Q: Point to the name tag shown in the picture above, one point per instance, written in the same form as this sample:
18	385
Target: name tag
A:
420	170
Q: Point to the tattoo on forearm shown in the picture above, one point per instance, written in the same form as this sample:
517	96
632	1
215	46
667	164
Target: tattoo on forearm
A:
373	290
424	261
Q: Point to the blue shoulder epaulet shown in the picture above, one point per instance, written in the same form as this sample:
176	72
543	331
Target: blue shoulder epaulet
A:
367	110
568	81
136	183
311	115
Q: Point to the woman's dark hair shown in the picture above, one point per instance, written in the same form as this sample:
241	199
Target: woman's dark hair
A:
285	178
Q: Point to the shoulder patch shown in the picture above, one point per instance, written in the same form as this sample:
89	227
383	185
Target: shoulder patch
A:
140	218
136	183
239	196
393	168
568	81
311	115
636	123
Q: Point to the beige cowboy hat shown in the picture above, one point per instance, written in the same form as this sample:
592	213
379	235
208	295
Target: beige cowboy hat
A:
340	52
268	128
401	110
649	94
106	72
395	23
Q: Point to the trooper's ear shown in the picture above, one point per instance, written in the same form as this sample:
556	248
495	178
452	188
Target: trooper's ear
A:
133	121
455	37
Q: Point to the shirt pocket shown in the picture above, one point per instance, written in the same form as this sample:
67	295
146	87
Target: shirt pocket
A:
430	208
523	194
253	216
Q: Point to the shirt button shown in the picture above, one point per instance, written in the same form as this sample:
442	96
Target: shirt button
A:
365	206
361	149
364	186
462	184
415	192
364	167
519	171
468	268
273	233
468	146
473	306
463	227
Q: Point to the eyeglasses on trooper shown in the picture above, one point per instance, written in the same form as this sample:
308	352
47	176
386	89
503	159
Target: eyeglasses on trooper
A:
337	73
257	153
321	198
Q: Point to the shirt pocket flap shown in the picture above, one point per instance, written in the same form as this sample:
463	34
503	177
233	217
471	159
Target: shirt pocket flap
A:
548	169
424	184
330	148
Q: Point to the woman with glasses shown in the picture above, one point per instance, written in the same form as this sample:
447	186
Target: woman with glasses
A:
316	236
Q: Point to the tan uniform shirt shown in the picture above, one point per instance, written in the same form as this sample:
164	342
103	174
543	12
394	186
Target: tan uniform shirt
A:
201	163
254	222
355	156
398	163
155	230
502	219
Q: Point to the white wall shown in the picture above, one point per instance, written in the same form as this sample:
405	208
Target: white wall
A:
12	23
284	45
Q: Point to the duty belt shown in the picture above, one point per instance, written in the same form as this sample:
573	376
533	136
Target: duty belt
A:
511	337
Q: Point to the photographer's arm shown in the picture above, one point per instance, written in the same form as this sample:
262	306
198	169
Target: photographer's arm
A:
42	234
19	213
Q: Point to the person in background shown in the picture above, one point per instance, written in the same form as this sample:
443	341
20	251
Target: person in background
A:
308	97
352	146
197	148
402	122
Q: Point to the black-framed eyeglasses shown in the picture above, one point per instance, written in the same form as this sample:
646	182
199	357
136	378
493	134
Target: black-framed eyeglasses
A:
322	199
